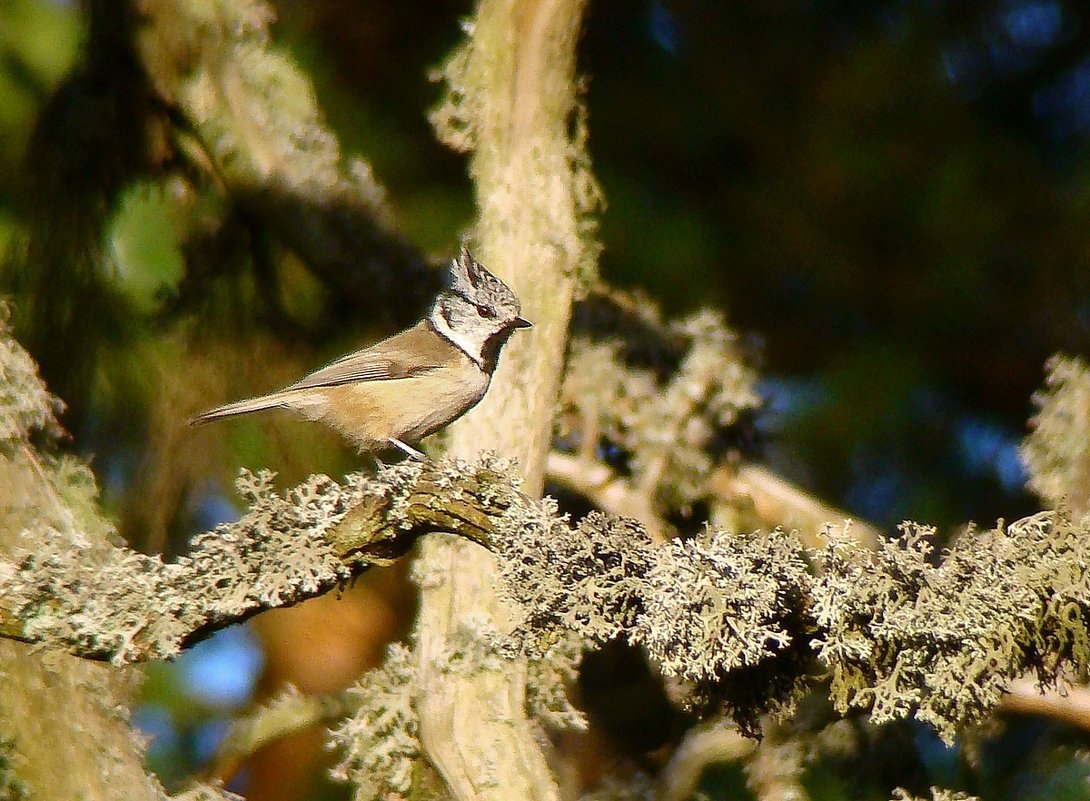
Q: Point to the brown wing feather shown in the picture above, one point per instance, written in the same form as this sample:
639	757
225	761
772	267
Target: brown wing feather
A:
415	351
412	352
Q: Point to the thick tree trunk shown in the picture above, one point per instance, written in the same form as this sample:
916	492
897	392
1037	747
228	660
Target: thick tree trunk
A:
64	728
514	90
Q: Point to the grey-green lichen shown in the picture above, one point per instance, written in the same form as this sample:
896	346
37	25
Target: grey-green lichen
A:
25	404
589	579
729	614
740	618
125	606
379	741
709	610
722	601
255	111
937	794
655	400
452	118
551	674
1057	452
903	637
712	387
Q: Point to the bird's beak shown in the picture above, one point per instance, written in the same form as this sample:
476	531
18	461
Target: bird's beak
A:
521	323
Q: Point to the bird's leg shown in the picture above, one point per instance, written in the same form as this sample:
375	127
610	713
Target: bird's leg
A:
408	450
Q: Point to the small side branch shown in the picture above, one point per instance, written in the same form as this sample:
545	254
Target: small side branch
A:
1071	706
287	714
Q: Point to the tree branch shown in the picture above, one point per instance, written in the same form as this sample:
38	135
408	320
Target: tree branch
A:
290	712
738	618
776	502
511	99
1070	706
124	606
606	490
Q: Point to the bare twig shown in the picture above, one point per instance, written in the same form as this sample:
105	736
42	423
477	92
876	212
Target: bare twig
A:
1071	705
605	489
703	745
778	502
287	714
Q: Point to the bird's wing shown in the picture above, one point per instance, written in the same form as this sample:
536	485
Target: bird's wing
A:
415	351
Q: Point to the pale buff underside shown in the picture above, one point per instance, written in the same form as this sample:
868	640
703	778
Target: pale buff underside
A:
369	413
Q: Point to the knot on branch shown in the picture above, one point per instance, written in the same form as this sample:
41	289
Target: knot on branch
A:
409	500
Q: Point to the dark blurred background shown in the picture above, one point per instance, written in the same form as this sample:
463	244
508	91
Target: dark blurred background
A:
889	199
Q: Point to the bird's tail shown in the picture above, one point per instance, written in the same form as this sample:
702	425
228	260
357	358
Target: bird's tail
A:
275	400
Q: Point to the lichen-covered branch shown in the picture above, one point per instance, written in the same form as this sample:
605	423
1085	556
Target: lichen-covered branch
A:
738	617
940	643
124	606
52	705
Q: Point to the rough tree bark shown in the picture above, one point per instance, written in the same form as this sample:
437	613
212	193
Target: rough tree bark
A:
62	718
64	728
513	97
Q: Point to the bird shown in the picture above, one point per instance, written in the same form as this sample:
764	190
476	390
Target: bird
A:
412	384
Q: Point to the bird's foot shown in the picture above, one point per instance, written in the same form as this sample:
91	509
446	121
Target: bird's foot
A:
408	450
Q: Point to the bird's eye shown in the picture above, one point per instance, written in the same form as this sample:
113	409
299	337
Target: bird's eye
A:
486	311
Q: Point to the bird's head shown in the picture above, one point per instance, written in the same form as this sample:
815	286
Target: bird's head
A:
477	312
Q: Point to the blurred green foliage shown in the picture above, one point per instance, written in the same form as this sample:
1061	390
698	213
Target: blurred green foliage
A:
38	44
